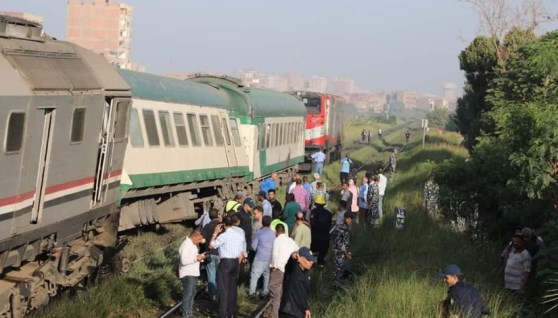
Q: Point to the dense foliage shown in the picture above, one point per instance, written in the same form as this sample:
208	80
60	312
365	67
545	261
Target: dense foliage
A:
508	116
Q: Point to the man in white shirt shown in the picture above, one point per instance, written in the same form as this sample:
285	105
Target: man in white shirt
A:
283	248
382	190
318	158
189	269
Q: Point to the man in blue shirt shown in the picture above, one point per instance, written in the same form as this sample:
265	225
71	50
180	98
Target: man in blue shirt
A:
269	183
462	300
232	251
362	203
266	205
262	243
318	158
345	169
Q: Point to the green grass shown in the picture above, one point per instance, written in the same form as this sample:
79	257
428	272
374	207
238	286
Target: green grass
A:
399	267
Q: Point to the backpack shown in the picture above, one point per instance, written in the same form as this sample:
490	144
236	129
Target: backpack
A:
231	208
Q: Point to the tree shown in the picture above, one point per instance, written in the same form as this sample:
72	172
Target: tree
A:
526	112
500	17
438	117
479	62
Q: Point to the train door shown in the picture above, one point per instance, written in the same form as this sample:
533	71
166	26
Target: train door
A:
230	150
44	161
113	130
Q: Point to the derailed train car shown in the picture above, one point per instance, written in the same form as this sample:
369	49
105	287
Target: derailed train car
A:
271	126
194	143
185	150
64	114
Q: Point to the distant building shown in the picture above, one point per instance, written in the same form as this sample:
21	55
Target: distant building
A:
367	102
295	82
278	83
408	98
102	26
24	15
341	86
253	78
317	84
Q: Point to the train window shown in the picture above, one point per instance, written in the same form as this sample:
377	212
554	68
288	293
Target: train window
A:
272	142
235	132
261	136
78	125
180	127
267	135
312	104
151	127
194	129
121	124
279	134
226	132
14	133
164	121
282	134
206	131
290	133
136	139
217	130
275	135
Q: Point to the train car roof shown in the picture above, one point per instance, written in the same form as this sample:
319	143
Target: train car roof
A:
256	102
273	103
159	88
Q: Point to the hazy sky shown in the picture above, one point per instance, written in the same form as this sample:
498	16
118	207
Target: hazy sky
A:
381	44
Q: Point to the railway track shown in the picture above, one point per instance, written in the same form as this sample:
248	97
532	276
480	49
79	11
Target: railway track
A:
174	311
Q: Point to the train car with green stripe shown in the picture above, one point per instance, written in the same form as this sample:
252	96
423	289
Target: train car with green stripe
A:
185	150
272	126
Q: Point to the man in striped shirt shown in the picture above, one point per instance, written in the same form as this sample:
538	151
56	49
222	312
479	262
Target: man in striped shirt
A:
232	252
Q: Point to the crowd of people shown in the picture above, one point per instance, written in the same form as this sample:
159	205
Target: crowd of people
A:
277	243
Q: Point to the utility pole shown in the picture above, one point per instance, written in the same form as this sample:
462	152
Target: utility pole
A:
424	125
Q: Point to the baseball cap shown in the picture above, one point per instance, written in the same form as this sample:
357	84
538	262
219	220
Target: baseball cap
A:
249	201
348	214
306	253
451	269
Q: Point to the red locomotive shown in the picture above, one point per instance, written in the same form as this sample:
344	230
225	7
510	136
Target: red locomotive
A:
324	125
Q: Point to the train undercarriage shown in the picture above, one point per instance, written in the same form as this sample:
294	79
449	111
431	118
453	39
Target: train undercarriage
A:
42	269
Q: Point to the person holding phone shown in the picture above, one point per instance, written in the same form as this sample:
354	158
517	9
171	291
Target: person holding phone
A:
189	269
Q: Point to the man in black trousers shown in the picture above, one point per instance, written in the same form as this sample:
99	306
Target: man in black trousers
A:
232	251
294	303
